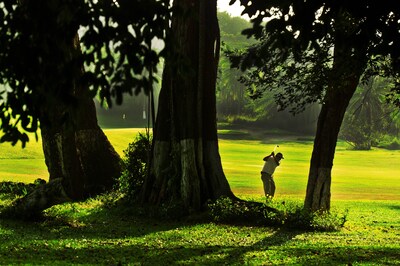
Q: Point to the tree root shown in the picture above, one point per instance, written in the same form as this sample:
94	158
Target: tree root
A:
31	206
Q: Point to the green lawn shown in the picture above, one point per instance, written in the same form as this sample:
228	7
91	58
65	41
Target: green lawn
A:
92	233
356	174
26	165
89	233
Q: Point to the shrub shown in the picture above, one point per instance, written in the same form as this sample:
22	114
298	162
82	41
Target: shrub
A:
135	163
389	142
19	188
287	215
328	221
227	210
12	191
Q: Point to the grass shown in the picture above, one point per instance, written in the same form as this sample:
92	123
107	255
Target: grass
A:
96	233
26	165
90	233
355	175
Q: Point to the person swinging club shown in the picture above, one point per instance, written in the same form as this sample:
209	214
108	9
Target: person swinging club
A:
267	173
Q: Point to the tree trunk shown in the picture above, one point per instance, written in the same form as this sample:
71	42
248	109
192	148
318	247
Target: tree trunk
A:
101	164
80	146
186	166
78	150
318	194
348	66
77	153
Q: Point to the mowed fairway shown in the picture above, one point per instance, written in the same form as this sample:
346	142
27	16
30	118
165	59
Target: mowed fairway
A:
356	175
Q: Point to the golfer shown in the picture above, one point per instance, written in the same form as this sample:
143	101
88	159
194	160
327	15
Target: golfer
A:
267	173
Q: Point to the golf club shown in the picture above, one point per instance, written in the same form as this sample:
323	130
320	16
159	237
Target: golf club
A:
276	146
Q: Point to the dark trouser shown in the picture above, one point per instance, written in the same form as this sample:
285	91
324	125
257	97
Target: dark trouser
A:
269	184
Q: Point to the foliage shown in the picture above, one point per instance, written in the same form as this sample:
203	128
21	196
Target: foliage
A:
135	166
39	66
19	188
369	117
389	142
294	84
232	100
285	215
296	217
227	210
232	27
359	136
294	54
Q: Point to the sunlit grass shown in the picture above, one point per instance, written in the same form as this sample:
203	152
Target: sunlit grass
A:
89	233
242	163
356	174
26	165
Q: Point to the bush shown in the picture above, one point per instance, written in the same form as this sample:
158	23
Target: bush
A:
358	136
287	215
135	162
19	188
227	210
389	142
12	191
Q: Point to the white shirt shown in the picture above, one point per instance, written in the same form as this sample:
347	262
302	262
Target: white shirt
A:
270	165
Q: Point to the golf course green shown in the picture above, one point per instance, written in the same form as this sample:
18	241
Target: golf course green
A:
356	175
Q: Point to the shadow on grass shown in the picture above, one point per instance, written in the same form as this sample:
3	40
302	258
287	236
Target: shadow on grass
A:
65	246
107	237
394	207
235	135
275	252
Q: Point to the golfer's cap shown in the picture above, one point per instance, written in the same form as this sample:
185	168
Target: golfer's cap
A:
279	155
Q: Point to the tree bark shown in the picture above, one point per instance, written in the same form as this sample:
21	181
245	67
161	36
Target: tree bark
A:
78	150
186	166
45	196
77	153
349	63
80	159
318	194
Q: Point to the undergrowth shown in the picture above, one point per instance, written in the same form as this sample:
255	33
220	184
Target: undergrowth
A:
19	188
283	214
135	161
286	214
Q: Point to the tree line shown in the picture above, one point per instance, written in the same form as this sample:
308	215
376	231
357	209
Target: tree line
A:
312	51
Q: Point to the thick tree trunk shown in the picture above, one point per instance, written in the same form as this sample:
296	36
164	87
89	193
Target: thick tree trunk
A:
77	153
98	164
78	150
101	164
186	165
60	151
348	66
80	160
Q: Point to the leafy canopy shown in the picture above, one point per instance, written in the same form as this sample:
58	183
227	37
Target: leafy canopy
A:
297	40
41	61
